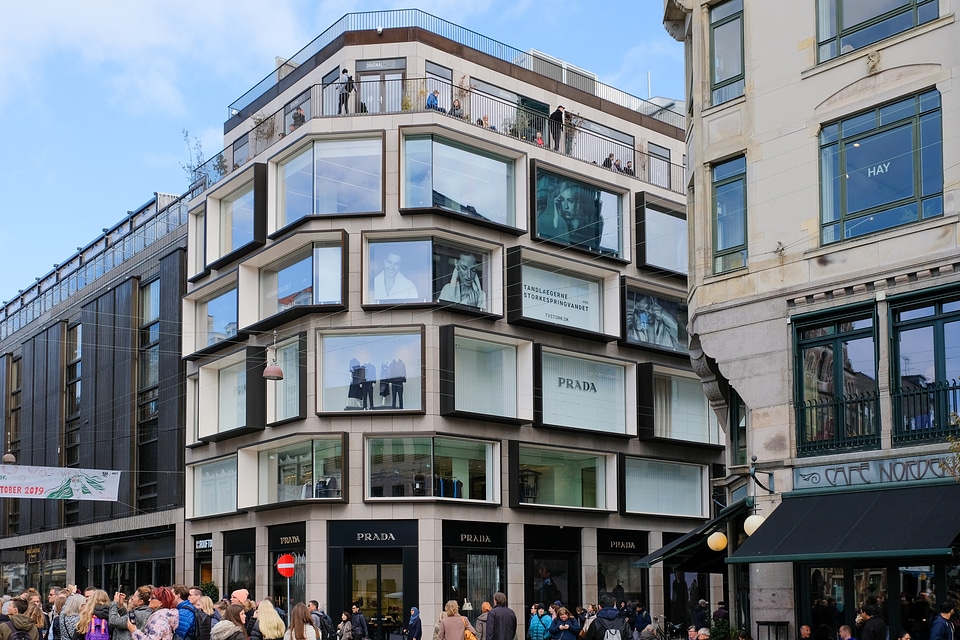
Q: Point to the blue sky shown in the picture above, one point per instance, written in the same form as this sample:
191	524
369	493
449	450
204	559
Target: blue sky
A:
94	95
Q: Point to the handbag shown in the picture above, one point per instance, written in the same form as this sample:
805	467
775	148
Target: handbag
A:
467	634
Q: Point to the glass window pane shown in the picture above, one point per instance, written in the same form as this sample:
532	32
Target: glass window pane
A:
724	170
328	468
286	474
327	274
681	412
727	51
583	394
951	351
418	172
916	356
665	241
473	183
459	276
295	188
236	220
897	111
215	487
401	467
348	176
486	377
562	478
287	283
830	183
287	391
462	469
400	272
730	211
232	388
655	321
880	169
725	10
217	318
919	312
931	154
856	12
667	488
578	214
371	372
150	302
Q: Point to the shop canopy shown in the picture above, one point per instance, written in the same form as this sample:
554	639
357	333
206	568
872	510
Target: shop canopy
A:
689	552
877	523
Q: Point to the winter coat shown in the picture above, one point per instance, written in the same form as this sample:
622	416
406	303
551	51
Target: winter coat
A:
22	623
501	624
566	634
160	626
226	630
345	630
452	627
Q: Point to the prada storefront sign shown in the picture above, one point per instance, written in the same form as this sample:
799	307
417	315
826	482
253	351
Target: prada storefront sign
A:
475	535
618	541
288	537
373	533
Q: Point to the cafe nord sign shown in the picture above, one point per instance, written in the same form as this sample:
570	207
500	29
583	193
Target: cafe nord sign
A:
871	472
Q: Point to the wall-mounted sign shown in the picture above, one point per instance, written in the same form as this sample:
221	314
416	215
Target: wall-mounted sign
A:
559	298
871	472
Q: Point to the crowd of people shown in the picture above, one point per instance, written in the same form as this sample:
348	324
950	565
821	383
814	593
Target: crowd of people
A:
177	612
941	622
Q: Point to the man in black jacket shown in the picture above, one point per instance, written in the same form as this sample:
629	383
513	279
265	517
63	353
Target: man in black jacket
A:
358	623
501	620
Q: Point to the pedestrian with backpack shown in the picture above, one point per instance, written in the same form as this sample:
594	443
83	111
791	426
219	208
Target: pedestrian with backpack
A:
94	621
608	625
162	623
321	621
20	626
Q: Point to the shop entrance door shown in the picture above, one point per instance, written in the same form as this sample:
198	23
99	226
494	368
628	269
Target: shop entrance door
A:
380	92
376	581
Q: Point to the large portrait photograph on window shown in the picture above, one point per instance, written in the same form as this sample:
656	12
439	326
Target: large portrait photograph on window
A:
578	214
461	276
399	272
370	371
655	321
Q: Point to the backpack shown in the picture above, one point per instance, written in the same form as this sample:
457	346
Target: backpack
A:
99	629
350	85
612	632
18	634
324	624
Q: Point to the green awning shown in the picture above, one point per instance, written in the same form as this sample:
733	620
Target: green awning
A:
900	522
690	552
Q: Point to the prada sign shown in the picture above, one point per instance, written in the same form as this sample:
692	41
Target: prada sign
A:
476	535
374	533
618	541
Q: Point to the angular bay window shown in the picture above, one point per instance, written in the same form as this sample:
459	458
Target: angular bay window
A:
662	234
302	471
726	51
451	176
579	214
215	487
730	215
848	25
882	168
431	467
232	395
665	488
561	477
370	371
674	407
483	374
331	177
837	396
584	392
309	276
430	269
926	364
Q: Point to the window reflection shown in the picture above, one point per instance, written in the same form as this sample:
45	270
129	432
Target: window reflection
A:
562	478
236	220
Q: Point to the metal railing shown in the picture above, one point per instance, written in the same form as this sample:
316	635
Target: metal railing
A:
838	423
926	413
410	95
110	250
414	18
